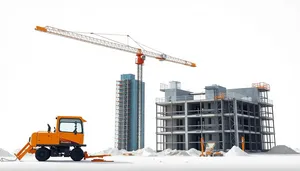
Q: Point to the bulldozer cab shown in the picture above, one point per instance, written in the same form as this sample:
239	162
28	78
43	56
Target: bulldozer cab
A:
69	124
70	129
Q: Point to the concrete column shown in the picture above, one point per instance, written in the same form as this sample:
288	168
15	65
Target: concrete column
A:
186	126
223	129
262	140
236	123
156	128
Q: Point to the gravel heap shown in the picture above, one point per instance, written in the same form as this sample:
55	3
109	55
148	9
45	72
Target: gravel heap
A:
282	149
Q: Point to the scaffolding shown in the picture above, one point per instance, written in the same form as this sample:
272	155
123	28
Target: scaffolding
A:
266	116
122	118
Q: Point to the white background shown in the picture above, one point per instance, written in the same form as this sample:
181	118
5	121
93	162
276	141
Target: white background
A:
233	43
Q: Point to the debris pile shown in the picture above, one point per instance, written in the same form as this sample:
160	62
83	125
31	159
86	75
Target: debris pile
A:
297	150
4	153
282	149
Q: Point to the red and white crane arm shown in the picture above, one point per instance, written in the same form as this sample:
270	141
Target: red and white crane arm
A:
114	45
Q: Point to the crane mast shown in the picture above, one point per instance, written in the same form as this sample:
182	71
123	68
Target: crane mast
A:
140	88
141	54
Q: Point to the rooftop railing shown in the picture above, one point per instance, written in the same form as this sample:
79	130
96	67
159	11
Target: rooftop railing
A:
228	95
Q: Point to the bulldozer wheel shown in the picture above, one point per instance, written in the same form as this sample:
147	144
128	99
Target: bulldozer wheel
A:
42	154
77	154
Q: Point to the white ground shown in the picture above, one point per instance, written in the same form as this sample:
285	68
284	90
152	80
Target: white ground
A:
147	159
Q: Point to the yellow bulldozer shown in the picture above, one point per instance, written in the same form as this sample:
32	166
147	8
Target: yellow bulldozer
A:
66	140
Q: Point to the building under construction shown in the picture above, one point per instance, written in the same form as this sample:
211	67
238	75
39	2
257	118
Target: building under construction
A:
126	119
218	115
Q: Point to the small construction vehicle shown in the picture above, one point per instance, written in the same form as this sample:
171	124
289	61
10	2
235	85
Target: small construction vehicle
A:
65	141
209	149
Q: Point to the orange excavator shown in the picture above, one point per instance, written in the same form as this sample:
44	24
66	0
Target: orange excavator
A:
67	141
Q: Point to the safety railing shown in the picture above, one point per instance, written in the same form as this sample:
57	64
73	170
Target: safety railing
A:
261	86
179	98
266	101
226	96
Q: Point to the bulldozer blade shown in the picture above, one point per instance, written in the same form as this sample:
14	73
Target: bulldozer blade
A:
27	148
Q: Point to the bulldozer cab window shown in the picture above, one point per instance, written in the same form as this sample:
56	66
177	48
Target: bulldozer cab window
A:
70	125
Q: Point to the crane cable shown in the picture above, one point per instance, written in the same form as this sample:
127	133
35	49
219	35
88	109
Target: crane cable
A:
111	34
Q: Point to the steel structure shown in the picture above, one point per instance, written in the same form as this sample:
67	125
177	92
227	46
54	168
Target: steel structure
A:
126	115
223	118
141	54
266	115
122	111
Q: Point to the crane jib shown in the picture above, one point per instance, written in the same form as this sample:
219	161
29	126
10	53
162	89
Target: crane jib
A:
118	46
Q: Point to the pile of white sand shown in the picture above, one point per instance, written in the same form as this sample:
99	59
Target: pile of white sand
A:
166	152
112	151
194	152
235	151
147	152
282	149
170	152
181	153
4	153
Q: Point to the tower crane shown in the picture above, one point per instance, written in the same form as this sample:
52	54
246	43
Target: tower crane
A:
141	54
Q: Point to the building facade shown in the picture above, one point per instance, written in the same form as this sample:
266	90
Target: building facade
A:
126	120
218	115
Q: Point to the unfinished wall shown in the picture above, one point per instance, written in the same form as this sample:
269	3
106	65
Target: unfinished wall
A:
213	90
245	93
177	95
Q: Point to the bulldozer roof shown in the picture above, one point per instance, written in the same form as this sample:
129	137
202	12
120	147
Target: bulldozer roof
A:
77	117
